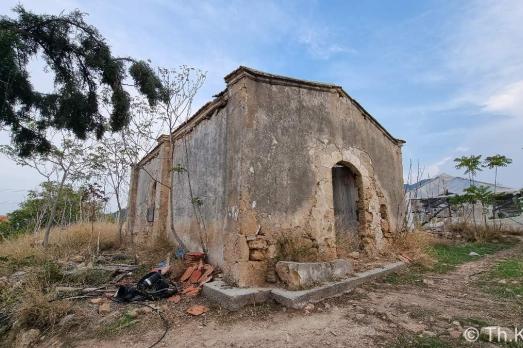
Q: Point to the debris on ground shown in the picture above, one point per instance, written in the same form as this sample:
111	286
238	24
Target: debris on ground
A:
157	285
196	274
175	299
104	308
197	310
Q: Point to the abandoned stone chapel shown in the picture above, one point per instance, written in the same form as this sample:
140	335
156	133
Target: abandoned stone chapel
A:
274	168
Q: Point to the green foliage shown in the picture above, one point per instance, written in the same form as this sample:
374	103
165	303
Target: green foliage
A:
458	200
35	209
81	61
492	162
126	320
197	201
479	194
448	256
179	168
420	342
471	164
505	279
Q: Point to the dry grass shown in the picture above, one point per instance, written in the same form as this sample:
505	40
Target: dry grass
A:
63	243
30	299
37	311
481	233
297	248
346	242
415	245
152	251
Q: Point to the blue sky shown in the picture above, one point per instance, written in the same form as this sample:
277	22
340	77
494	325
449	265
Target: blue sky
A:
446	76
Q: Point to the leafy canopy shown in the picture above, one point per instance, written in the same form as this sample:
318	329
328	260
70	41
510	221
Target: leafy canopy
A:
82	64
35	207
471	164
495	161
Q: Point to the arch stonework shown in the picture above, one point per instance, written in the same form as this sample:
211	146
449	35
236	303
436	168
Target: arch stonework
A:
372	229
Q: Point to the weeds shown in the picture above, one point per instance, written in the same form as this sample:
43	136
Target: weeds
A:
123	322
420	342
28	298
505	279
26	250
88	277
36	311
449	256
297	248
482	233
442	258
415	245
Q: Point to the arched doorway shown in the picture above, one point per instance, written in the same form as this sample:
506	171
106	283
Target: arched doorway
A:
346	187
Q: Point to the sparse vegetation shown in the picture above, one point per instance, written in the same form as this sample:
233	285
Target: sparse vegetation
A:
125	321
505	279
32	273
449	255
443	257
420	342
296	248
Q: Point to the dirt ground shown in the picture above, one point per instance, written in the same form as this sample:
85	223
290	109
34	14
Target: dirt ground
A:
375	314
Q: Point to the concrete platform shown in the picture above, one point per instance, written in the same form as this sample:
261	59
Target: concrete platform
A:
234	298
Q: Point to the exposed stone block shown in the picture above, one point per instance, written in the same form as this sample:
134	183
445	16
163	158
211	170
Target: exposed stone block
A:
246	273
256	255
298	275
385	227
257	244
236	248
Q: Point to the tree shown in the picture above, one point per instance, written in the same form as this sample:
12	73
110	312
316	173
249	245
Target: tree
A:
480	194
471	164
180	87
67	159
114	153
81	61
33	212
494	162
95	197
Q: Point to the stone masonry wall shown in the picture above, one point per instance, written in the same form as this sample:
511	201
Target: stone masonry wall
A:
292	137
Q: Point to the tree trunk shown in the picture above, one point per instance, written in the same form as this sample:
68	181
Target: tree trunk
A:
63	215
171	198
53	210
120	219
39	219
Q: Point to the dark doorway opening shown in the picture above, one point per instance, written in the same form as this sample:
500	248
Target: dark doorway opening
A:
345	183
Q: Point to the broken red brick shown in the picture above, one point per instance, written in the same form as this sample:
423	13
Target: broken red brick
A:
195	276
197	310
188	272
193	292
174	299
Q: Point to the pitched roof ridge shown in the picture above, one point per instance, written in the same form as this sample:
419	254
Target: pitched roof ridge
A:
236	74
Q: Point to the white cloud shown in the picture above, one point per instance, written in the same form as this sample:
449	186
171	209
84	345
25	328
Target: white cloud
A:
483	54
508	100
435	168
320	44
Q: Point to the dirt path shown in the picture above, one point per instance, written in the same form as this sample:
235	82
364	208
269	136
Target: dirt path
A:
375	314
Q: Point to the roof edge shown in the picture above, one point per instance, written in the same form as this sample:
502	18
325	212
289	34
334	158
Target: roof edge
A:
243	71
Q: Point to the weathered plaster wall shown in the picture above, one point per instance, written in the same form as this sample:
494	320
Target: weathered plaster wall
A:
291	138
261	167
147	171
201	153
